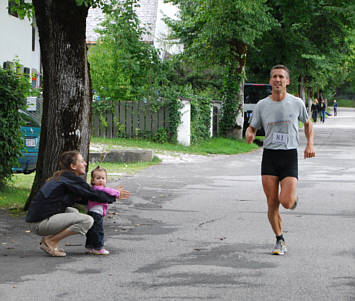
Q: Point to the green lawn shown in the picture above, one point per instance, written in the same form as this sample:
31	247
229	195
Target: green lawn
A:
211	146
16	192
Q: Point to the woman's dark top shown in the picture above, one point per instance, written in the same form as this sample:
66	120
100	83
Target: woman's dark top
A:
314	107
62	192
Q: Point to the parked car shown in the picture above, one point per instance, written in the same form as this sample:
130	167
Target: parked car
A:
31	134
252	94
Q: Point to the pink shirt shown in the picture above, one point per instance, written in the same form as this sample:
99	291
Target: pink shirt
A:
102	206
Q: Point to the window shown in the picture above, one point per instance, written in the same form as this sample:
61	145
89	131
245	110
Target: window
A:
8	65
26	72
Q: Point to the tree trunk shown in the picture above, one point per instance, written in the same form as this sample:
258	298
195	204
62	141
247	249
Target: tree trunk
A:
301	90
236	131
309	101
67	93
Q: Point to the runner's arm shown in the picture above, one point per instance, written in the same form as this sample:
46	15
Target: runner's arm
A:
309	151
250	134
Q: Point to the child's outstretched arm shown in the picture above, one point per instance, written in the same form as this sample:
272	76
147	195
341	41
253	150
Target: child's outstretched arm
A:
124	194
109	190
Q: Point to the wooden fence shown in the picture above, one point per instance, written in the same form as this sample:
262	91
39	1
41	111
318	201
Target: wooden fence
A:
129	119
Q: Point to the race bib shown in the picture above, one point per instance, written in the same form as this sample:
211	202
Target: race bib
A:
280	138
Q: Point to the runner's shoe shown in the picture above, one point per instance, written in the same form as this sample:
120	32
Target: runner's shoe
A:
280	248
294	206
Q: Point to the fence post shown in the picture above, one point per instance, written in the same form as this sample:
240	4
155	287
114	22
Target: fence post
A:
109	118
96	123
211	120
184	129
116	119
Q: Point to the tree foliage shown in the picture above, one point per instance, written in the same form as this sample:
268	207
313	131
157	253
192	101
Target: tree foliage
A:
220	32
312	40
123	66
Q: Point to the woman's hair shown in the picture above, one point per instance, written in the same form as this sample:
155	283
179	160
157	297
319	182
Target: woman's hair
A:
97	169
68	158
65	160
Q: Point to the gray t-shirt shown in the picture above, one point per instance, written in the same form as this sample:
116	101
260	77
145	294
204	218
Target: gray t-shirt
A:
280	121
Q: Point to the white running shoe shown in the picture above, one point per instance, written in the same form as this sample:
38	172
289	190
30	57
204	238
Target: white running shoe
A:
280	248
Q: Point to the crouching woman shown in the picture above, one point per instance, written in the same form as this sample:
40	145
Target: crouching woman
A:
51	214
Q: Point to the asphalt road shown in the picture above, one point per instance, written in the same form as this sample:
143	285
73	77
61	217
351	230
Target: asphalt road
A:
197	230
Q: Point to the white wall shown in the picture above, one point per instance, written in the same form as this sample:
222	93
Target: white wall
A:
94	18
162	30
184	128
147	14
16	40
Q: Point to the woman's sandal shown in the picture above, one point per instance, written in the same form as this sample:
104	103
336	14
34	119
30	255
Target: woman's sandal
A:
43	241
53	252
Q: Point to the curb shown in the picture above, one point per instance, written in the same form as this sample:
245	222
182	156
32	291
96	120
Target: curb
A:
122	156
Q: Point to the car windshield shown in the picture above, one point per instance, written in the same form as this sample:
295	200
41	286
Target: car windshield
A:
253	93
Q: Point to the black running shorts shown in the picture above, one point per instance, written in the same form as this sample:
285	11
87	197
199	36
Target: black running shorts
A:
280	163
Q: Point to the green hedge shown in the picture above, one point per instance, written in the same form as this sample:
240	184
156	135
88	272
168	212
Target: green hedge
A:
12	98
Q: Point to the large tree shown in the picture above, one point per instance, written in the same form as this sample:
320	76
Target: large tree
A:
220	32
66	83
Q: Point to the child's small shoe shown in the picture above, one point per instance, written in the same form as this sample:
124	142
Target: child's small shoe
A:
99	252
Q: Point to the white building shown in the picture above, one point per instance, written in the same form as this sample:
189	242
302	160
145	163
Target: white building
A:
19	40
151	14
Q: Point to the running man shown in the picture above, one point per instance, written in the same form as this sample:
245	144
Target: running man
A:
279	115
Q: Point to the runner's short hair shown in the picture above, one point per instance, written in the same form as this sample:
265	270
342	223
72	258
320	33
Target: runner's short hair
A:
280	67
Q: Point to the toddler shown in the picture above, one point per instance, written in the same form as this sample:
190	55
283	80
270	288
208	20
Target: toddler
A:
95	235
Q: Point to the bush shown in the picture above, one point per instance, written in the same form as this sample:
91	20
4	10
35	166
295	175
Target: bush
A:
12	98
200	118
161	136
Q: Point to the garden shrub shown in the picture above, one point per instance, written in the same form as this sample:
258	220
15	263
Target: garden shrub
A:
161	136
12	98
200	119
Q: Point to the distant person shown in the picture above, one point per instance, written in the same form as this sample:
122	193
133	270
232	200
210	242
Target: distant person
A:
315	110
335	107
95	235
51	214
322	110
279	115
